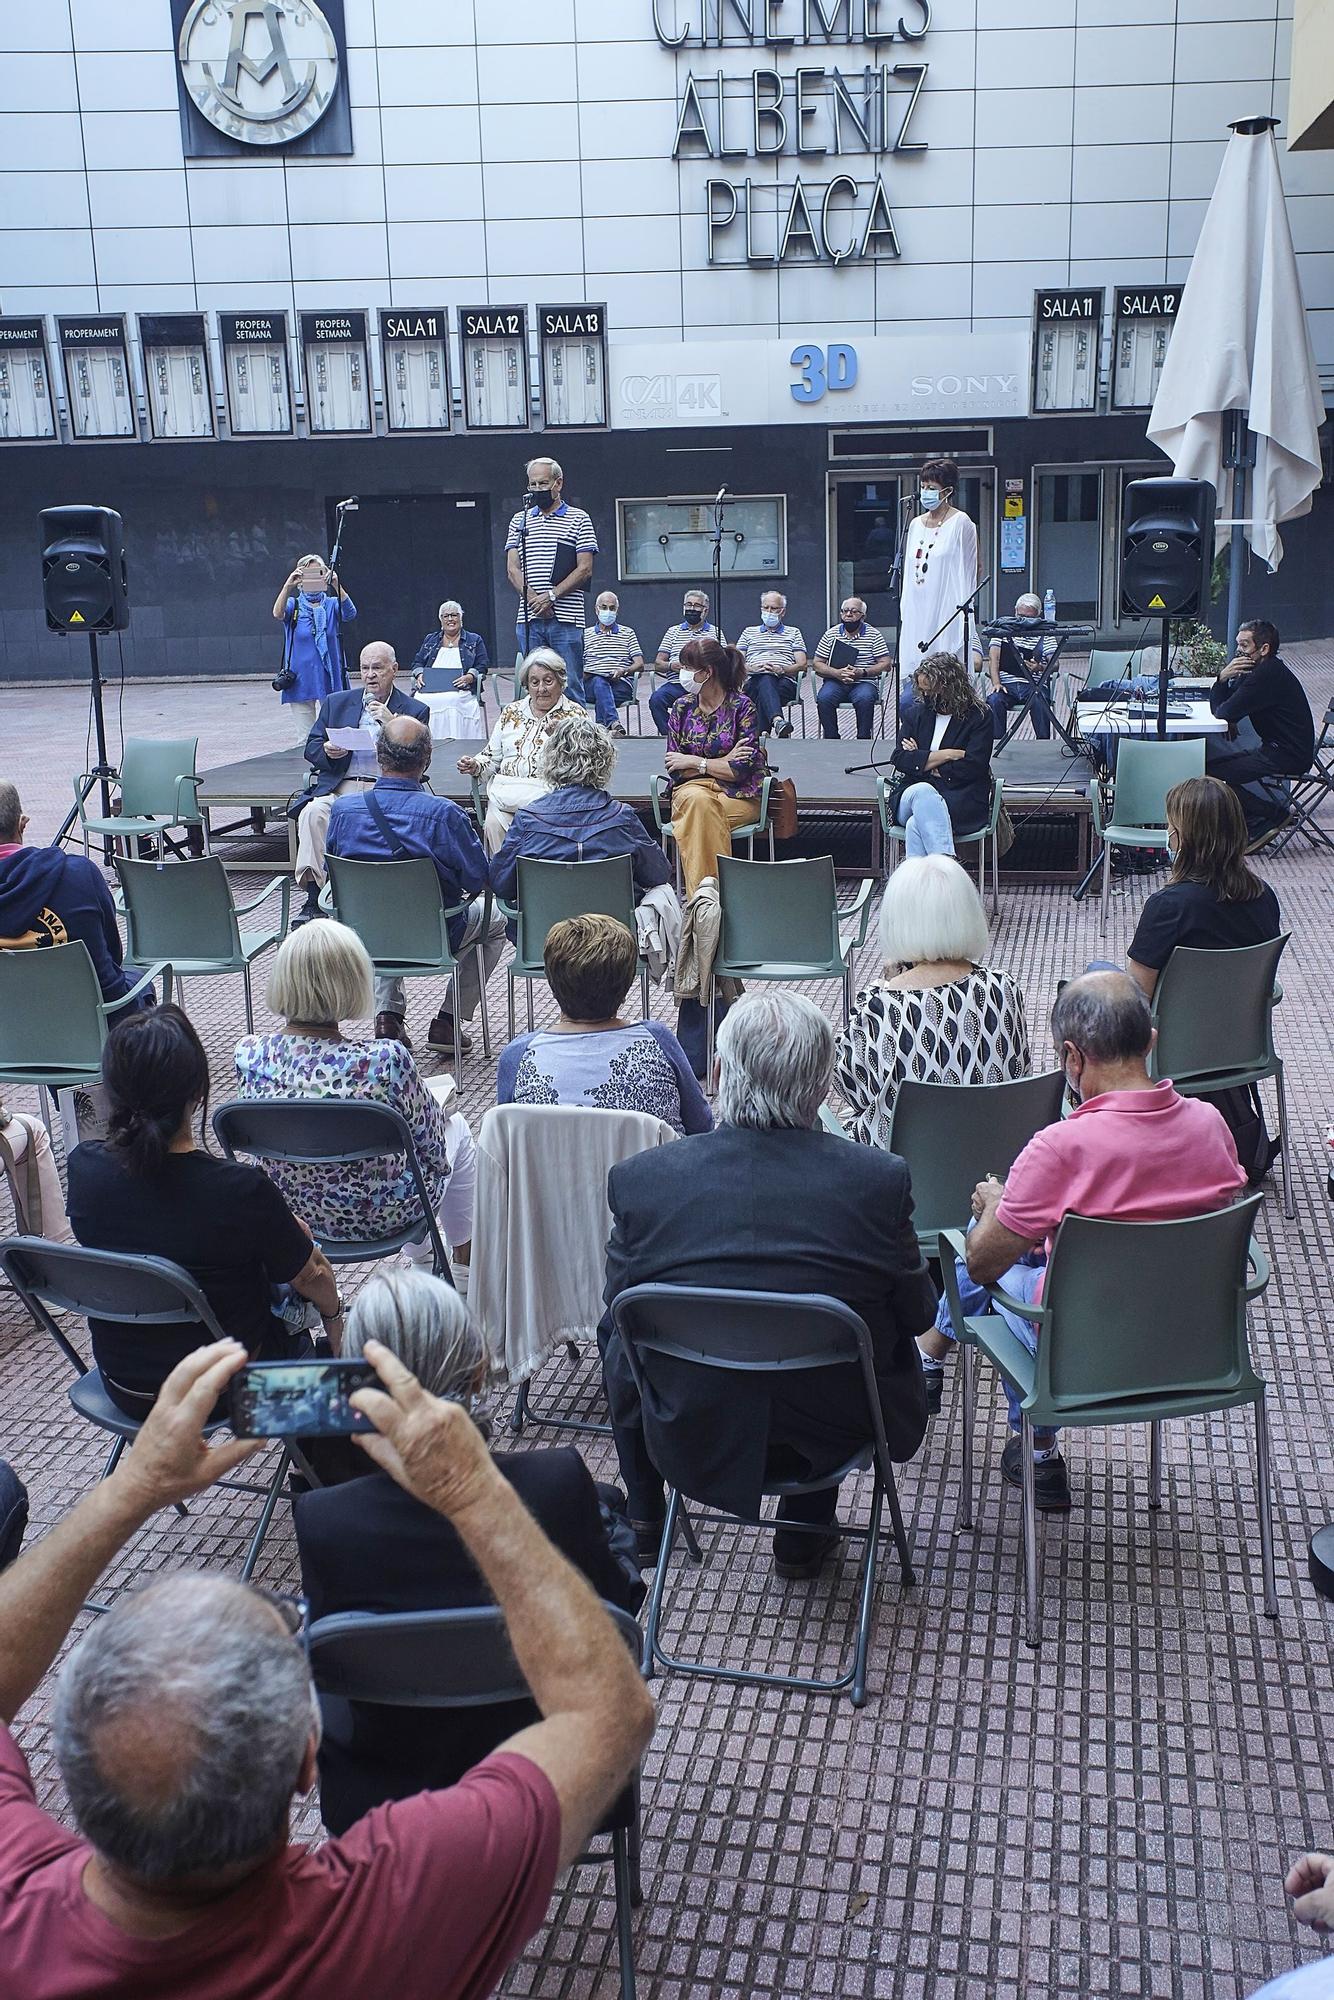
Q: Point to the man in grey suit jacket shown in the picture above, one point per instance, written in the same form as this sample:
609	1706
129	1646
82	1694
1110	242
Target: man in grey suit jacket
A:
767	1202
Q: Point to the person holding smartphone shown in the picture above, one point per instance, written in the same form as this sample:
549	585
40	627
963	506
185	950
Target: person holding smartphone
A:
314	607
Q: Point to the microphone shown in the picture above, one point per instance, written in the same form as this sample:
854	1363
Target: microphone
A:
718	496
348	506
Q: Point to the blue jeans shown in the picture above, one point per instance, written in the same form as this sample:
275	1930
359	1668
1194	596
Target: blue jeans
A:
862	695
660	702
1021	1281
926	816
770	692
607	693
567	640
1010	694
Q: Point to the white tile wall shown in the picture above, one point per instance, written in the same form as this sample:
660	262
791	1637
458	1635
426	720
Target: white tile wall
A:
522	151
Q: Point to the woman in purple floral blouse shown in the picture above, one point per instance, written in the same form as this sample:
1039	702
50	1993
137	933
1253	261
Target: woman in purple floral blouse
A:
715	758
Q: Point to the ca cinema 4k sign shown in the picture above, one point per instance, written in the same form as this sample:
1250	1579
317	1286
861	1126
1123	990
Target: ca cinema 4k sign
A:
262	76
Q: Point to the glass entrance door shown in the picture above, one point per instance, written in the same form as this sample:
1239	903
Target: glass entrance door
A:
865	520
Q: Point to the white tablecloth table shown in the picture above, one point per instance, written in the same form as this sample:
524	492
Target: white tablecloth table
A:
1119	718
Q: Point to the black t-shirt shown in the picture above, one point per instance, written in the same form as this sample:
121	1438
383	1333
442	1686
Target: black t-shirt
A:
1190	913
1275	701
226	1224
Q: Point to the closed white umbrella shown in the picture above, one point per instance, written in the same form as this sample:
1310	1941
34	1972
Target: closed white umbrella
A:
1240	357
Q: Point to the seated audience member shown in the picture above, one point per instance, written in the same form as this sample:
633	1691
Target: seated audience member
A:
185	1722
450	636
767	1202
774	654
1271	731
591	1056
364	707
612	657
1010	663
940	1014
944	754
508	765
398	819
1213	901
321	977
49	897
1131	1151
856	676
367	1545
694	624
29	1166
716	762
577	819
149	1189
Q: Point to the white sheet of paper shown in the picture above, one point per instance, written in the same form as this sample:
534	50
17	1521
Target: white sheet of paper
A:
362	745
441	1088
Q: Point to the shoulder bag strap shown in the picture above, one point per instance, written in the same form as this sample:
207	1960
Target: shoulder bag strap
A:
381	818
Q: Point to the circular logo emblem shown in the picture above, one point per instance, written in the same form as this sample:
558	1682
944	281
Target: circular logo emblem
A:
262	71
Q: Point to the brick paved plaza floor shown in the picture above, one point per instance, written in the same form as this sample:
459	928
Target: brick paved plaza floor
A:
1113	1815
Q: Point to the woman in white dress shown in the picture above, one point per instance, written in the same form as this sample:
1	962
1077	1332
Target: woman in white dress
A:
940	570
510	762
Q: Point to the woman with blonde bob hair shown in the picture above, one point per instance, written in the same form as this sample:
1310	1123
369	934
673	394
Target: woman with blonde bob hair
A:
322	977
939	1014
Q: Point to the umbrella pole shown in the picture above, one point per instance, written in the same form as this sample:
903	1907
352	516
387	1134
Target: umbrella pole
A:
1240	456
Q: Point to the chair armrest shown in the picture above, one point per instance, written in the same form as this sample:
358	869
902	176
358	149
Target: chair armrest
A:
510	912
163	966
950	1244
187	778
274	882
477	805
860	906
957	1242
997	801
882	801
655	799
762	823
1258	1265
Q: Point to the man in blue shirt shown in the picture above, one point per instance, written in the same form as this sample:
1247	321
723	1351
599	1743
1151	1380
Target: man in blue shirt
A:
397	819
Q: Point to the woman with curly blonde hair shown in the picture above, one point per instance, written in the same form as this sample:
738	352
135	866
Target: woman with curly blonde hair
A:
944	756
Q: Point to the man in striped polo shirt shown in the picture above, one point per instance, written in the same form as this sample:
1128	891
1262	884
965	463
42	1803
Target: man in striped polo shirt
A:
774	653
612	656
549	552
694	625
862	657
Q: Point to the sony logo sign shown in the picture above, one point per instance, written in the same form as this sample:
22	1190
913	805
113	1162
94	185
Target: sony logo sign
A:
964	385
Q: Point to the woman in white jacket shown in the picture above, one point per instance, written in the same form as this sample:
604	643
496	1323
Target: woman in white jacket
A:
509	763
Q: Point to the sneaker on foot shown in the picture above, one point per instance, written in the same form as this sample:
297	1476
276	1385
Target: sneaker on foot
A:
1051	1483
782	727
616	729
310	909
390	1028
933	1380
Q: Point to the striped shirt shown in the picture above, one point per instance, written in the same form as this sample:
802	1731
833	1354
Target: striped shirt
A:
770	652
869	645
680	635
610	649
563	524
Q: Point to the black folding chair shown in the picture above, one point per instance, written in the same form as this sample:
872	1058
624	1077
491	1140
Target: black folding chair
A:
1307	794
462	1659
742	1333
326	1131
133	1291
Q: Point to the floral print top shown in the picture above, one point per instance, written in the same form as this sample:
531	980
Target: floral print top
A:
517	739
371	1197
731	731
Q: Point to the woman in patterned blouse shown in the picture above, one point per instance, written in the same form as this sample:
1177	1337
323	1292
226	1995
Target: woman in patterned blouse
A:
321	977
508	765
715	758
939	1015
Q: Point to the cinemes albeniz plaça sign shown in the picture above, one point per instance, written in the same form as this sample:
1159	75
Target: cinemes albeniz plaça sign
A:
858	109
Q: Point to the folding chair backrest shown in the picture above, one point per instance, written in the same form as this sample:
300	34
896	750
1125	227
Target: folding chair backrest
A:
550	891
395	907
1140	1309
1213	1009
778	911
295	1129
179	910
953	1135
149	769
1145	774
425	1659
105	1284
740	1332
50	1009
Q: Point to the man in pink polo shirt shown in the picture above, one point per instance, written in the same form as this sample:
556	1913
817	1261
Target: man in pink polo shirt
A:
1131	1151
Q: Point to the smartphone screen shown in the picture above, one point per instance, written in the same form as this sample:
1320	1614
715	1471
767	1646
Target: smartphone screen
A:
299	1398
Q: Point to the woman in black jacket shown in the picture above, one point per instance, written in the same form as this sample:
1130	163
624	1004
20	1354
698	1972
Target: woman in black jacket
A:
944	754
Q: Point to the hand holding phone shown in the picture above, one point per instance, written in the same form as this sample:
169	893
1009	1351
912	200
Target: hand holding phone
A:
300	1398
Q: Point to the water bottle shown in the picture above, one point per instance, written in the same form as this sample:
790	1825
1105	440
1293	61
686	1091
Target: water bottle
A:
1049	606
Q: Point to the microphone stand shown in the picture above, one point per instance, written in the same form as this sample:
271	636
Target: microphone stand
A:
717	540
896	593
924	646
524	505
341	513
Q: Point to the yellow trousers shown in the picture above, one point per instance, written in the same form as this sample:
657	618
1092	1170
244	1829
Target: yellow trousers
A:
703	817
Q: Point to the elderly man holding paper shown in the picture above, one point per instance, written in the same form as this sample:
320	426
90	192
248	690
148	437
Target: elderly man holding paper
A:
340	750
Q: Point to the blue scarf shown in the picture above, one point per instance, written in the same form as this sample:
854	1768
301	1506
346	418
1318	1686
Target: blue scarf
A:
317	609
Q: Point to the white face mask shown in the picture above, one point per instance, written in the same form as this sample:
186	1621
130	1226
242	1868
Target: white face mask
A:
690	681
606	617
772	619
930	498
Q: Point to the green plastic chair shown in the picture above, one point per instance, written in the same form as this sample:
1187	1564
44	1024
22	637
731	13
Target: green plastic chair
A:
397	910
53	1019
626	712
896	836
1214	1012
1140	1322
831	1123
185	913
749	834
551	891
780	920
1114	666
1146	771
953	1135
158	791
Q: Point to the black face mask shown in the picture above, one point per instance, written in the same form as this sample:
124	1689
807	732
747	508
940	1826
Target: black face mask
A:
851	624
544	498
693	614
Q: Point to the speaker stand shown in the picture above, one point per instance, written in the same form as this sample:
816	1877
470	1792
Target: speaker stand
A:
102	772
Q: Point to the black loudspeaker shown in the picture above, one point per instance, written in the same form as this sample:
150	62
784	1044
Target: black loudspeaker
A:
1167	547
84	582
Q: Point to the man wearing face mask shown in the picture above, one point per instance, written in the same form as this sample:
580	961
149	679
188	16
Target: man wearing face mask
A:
1132	1150
612	654
774	653
940	570
694	625
850	660
549	553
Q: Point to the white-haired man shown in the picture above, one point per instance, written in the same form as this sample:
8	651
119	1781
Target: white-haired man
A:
549	553
774	653
734	1207
185	1721
1010	662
